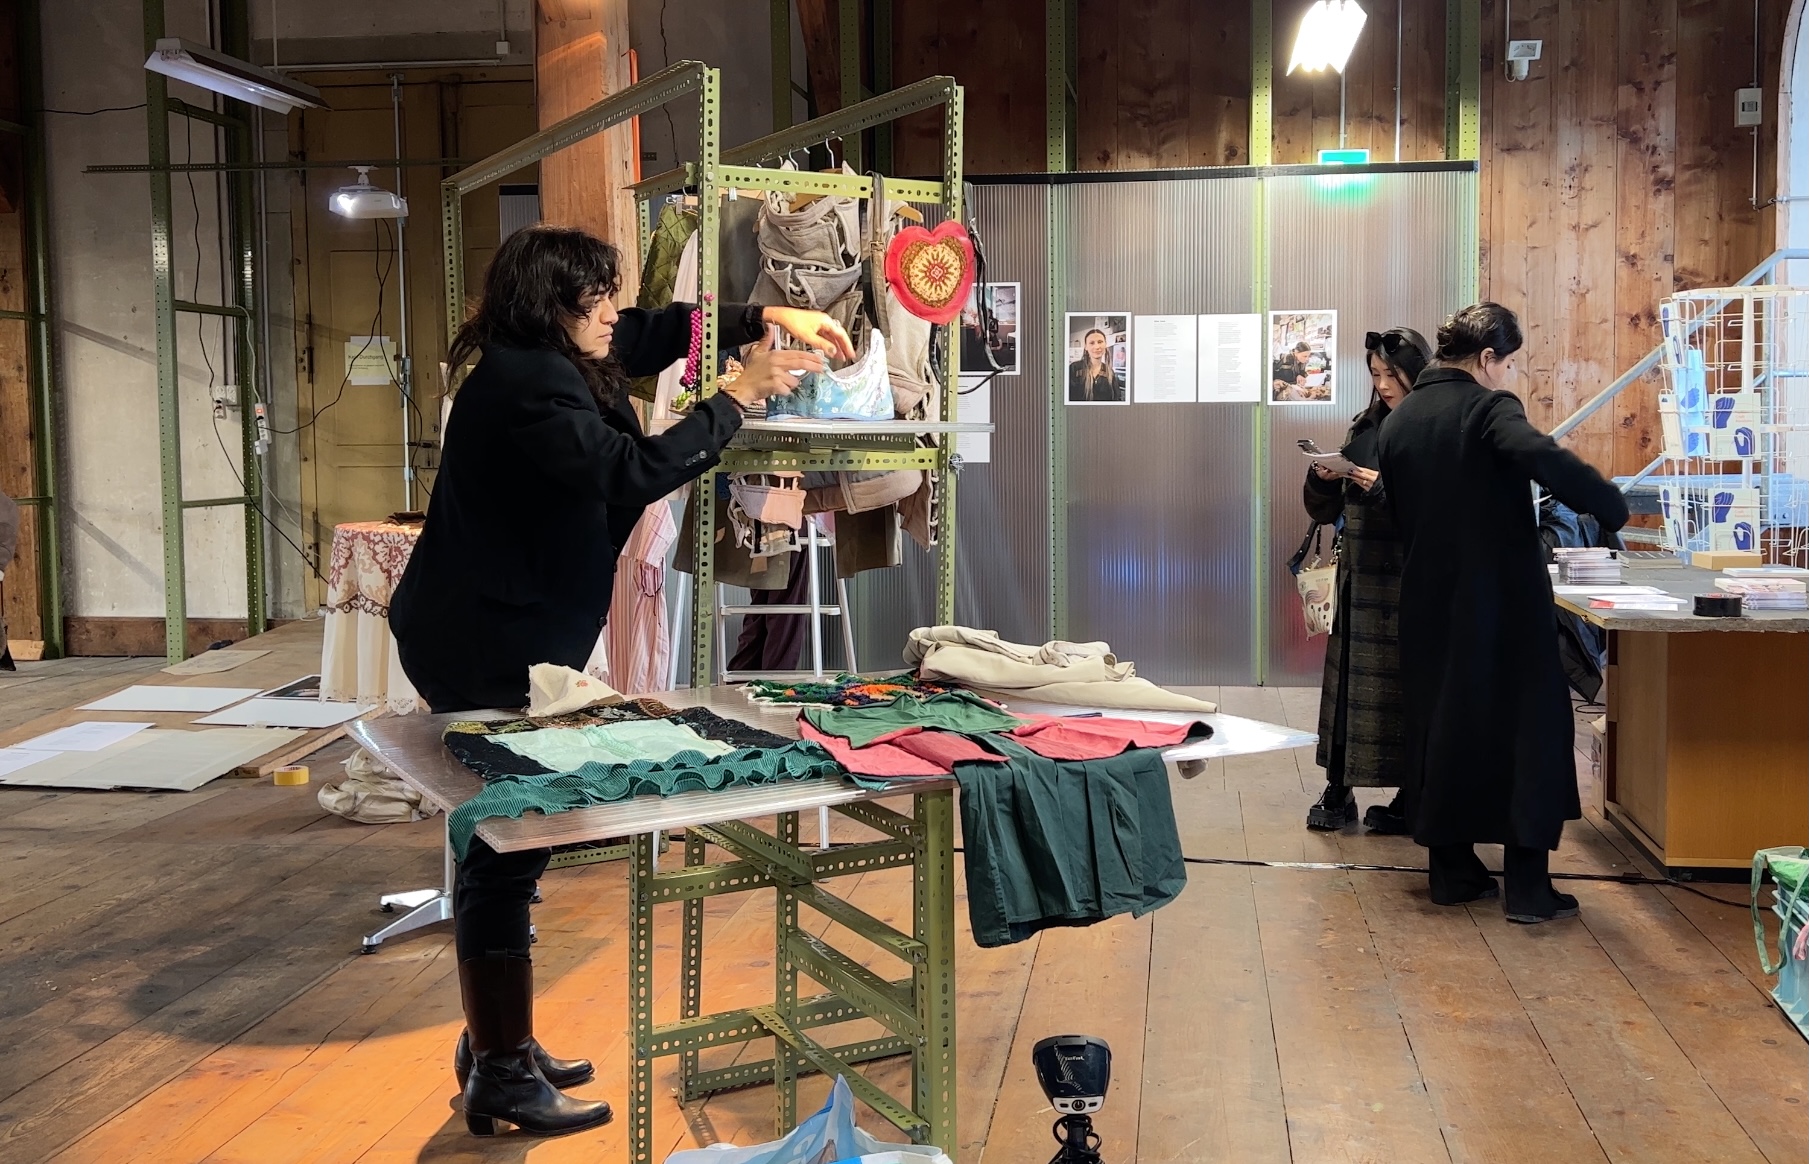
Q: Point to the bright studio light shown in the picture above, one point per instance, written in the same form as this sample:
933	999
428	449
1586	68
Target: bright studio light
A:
363	200
231	77
1328	33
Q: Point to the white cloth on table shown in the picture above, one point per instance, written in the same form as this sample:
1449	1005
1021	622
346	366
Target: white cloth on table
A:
358	658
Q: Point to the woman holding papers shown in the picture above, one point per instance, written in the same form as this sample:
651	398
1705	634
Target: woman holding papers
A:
1360	742
1489	725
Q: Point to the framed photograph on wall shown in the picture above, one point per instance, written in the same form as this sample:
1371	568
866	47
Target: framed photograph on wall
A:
1099	357
1303	356
989	341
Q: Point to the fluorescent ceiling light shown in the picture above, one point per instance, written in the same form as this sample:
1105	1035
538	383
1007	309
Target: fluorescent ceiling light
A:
231	77
1327	35
363	200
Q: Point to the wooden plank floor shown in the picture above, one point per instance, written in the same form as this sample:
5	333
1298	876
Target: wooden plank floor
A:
179	982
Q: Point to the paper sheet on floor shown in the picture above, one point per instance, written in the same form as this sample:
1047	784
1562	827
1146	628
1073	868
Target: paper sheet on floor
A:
295	713
172	698
13	759
90	736
214	662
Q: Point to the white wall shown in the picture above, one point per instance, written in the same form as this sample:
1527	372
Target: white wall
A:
100	232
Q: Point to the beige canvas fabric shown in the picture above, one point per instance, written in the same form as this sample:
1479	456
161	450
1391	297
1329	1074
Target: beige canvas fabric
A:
1073	674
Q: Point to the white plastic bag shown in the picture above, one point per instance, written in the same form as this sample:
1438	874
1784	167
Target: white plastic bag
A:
828	1135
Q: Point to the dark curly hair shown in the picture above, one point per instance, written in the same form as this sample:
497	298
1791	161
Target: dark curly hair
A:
540	279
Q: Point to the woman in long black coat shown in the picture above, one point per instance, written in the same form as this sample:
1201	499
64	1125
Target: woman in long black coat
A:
1360	740
1489	722
544	472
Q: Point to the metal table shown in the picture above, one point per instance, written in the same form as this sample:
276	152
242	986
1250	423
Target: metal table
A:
917	1009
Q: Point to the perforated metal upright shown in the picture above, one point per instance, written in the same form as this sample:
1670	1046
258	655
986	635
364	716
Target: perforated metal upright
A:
238	124
918	1009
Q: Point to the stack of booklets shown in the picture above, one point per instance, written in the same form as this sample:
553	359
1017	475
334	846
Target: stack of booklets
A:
1587	566
1767	593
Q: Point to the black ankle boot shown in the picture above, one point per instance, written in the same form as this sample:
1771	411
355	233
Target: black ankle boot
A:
1531	897
505	1084
1335	808
1457	876
1388	819
561	1073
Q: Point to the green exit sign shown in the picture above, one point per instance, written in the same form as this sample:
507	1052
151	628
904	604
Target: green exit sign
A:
1344	157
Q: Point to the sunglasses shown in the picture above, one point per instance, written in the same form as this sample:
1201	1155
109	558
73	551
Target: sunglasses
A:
1388	342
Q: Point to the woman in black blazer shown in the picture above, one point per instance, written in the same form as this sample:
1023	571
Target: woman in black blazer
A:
543	474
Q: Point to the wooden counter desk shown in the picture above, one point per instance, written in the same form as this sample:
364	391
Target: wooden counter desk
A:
1707	748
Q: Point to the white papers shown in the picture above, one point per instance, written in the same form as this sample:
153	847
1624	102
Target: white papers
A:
1602	590
168	698
1163	360
1231	359
84	737
296	713
1336	462
13	759
975	405
370	359
176	761
214	662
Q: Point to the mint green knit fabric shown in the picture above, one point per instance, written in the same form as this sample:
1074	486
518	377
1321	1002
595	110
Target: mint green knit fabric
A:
568	749
594	783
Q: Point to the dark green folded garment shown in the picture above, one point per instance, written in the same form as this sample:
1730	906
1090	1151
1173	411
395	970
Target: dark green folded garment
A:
592	784
957	711
1065	842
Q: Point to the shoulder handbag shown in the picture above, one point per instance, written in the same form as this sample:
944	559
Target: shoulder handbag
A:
1316	579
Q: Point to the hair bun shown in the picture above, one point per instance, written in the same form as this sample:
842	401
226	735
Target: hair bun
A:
1477	328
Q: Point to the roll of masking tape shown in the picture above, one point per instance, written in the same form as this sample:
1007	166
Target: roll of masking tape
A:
290	776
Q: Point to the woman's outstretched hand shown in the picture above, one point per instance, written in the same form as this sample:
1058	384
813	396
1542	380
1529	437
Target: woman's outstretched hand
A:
771	371
812	328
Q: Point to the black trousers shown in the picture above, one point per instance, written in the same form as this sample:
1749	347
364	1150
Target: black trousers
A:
492	892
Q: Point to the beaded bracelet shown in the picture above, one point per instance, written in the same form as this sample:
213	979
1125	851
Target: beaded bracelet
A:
693	373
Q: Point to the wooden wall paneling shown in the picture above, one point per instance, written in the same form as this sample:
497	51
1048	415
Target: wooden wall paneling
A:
1422	82
581	57
1152	85
1096	107
1645	198
1580	62
819	21
1524	252
1712	60
18	435
998	55
1301	98
1218	83
916	54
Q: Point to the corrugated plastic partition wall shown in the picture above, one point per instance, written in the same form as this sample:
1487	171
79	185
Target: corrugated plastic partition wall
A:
1165	520
1385	250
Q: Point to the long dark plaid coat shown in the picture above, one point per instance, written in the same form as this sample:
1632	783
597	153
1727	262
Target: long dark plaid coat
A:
1361	737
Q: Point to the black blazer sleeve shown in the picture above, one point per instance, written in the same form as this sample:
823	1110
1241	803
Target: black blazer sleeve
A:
1324	499
1569	478
648	342
560	431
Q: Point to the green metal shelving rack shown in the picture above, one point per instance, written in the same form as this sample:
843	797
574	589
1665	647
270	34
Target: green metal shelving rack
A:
918	1010
239	124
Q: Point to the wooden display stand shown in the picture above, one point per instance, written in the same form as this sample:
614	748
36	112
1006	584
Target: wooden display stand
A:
1707	750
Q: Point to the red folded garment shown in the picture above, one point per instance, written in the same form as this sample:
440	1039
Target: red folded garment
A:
1097	737
927	753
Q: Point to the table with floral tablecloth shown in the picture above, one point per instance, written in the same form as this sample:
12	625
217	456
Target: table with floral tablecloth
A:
358	660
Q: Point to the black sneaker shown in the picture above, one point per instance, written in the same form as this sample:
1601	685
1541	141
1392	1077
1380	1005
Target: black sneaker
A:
1334	809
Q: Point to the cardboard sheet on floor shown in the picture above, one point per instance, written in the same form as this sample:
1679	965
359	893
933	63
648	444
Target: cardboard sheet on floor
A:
214	662
169	697
165	761
273	712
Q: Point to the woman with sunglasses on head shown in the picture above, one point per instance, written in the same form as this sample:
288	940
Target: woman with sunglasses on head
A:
544	472
1360	740
1488	714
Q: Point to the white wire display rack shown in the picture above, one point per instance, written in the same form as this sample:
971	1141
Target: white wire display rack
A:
1735	418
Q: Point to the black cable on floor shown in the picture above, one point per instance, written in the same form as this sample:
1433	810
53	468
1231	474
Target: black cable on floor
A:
1356	867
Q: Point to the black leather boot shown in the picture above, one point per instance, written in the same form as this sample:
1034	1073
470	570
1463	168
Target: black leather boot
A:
561	1073
1388	819
1531	897
1335	808
1457	875
505	1084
